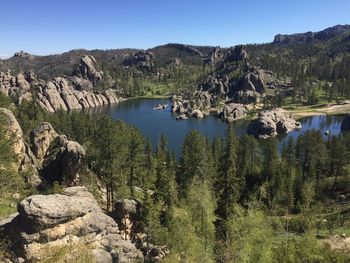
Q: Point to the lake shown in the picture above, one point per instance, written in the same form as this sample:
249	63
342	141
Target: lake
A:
153	123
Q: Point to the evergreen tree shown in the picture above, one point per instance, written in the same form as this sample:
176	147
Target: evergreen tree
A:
231	185
165	179
193	162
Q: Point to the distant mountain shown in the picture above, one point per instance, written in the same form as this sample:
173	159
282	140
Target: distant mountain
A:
303	38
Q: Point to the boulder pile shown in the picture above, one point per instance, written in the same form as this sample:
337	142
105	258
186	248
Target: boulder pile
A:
271	123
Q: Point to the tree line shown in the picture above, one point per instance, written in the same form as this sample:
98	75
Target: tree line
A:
224	200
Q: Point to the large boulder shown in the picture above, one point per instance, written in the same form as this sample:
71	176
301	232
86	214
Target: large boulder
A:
126	213
232	112
272	122
62	161
89	69
59	158
197	114
72	217
345	125
41	138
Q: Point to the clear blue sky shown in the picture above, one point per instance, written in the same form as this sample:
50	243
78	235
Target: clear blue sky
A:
53	26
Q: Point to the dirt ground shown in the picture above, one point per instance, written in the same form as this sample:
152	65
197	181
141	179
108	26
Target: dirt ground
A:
338	243
330	109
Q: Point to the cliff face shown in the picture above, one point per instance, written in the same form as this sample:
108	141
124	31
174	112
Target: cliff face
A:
63	92
52	157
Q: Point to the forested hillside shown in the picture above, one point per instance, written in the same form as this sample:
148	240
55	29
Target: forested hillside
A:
81	187
229	200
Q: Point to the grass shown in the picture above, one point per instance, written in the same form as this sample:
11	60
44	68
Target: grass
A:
71	253
301	109
156	89
7	207
338	231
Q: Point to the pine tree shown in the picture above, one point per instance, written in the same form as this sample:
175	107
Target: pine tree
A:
193	161
165	179
135	159
249	161
230	185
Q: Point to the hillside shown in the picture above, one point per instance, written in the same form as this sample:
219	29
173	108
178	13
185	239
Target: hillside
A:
77	186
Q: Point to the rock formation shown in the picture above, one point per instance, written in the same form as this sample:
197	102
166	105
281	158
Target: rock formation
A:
25	157
90	70
140	60
237	53
61	94
272	122
71	217
67	93
58	158
23	54
127	214
197	114
52	156
232	112
214	56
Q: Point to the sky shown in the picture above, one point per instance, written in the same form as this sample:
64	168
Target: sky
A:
54	26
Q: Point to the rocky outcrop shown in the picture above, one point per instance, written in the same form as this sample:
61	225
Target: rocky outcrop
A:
140	60
271	123
180	106
17	86
253	81
247	87
232	112
61	94
181	117
24	55
14	131
302	38
345	125
197	114
127	214
237	53
71	217
59	159
246	96
26	159
66	93
90	70
214	56
160	107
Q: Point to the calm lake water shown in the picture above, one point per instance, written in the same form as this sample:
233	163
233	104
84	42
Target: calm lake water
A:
153	123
